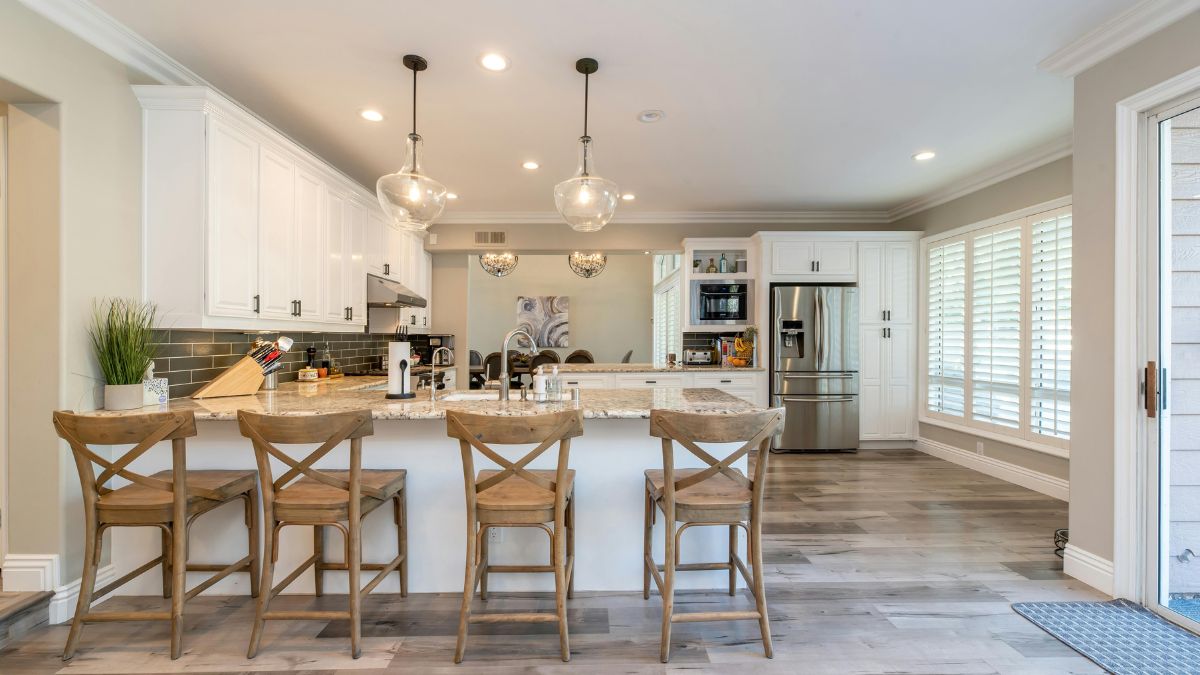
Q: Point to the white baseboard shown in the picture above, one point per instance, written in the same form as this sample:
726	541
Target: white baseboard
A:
30	572
885	445
1089	568
1046	484
39	572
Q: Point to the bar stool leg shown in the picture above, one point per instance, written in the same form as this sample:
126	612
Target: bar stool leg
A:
319	554
87	585
464	614
733	543
760	595
571	546
255	526
402	538
268	573
560	587
483	563
354	563
668	592
647	536
166	563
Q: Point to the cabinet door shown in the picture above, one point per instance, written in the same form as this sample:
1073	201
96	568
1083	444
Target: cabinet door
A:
334	301
232	284
428	288
376	245
649	380
900	279
309	266
872	392
901	382
356	268
399	244
871	289
587	380
276	234
792	257
835	257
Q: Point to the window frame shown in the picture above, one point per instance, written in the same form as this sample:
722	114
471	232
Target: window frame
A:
1023	436
669	284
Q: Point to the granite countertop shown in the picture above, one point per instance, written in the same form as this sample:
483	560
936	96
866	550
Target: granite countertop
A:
357	393
642	368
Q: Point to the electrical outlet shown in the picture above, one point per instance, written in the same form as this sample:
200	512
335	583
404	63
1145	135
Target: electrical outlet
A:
979	447
495	535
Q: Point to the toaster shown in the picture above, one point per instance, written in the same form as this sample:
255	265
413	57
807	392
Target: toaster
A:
697	357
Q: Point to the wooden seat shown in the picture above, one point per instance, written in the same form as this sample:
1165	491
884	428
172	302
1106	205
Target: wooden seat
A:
517	497
717	495
169	500
304	495
296	501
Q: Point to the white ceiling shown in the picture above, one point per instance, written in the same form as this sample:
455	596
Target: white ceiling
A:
773	105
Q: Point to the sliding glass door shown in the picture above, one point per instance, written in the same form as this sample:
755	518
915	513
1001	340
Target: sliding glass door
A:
1172	377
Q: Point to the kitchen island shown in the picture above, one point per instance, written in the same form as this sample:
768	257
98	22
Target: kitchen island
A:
609	460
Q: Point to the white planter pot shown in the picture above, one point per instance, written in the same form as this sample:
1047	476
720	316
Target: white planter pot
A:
123	396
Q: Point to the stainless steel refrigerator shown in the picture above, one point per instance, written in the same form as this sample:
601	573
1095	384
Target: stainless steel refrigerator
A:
814	365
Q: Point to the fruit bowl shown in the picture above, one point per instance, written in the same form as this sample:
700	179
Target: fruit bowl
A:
738	361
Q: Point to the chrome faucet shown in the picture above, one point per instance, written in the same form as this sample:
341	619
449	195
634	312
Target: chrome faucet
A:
433	370
533	349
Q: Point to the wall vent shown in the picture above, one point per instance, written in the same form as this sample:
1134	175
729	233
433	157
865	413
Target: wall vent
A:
490	238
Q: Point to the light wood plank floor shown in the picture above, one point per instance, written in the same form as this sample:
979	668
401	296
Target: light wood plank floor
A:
884	561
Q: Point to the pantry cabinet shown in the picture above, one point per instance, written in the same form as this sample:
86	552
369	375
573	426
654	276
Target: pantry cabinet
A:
244	229
887	344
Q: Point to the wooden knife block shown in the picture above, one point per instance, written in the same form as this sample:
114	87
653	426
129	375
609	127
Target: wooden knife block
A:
242	379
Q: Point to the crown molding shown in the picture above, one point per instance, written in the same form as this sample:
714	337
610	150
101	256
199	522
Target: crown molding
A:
94	26
1050	152
1117	33
672	217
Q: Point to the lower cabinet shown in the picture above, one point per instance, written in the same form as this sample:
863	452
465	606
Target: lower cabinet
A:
651	380
887	382
750	386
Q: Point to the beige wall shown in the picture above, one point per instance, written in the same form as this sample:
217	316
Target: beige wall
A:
609	314
85	238
1161	56
449	306
1042	184
558	238
1046	182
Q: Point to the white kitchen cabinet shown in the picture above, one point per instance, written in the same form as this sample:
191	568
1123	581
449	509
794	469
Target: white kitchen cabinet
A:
427	311
378	245
276	234
815	258
232	180
652	380
309	269
887	346
900	275
243	229
901	382
587	380
334	303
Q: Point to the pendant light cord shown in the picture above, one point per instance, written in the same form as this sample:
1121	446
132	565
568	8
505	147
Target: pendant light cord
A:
414	123
586	82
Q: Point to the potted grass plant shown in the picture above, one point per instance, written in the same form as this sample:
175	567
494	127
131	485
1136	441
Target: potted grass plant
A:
122	334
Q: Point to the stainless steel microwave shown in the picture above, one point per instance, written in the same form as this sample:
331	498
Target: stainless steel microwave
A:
722	301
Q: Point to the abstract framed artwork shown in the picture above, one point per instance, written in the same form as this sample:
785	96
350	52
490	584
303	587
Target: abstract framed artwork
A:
545	318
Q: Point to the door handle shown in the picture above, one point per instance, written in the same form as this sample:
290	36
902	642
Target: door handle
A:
1151	389
299	307
794	399
387	268
256	299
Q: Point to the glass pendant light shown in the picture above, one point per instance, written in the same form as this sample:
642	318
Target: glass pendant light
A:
586	201
411	198
498	264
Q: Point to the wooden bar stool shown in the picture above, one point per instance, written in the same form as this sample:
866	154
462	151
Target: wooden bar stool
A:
517	497
304	495
170	500
717	495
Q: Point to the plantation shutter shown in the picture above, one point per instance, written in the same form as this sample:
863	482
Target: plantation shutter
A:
667	336
1050	326
947	329
996	327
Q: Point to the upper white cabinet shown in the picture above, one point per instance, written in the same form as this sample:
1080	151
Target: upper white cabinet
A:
244	229
231	176
813	258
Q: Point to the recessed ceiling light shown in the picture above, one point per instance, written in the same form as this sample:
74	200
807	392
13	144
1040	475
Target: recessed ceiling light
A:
651	116
372	115
451	195
531	165
925	155
494	62
629	196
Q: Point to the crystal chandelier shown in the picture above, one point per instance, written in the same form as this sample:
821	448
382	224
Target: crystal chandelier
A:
498	264
587	265
587	202
412	199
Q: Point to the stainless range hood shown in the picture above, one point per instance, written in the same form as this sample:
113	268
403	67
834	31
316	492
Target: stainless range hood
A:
384	292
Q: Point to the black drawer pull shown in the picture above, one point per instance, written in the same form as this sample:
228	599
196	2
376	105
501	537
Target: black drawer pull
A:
726	381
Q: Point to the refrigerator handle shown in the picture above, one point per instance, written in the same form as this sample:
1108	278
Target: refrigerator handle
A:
819	328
